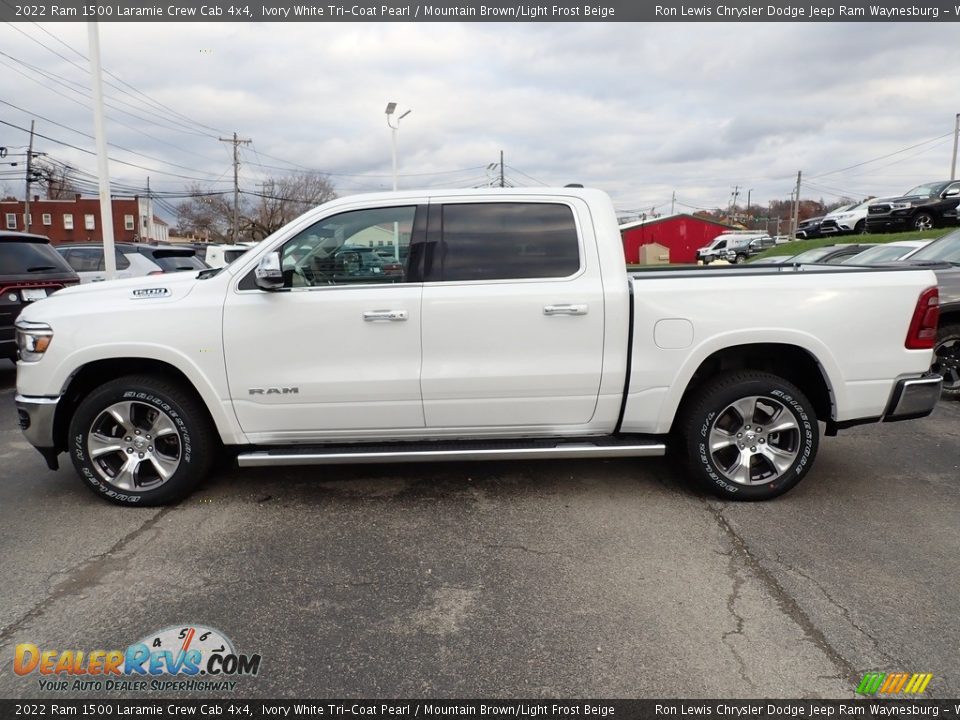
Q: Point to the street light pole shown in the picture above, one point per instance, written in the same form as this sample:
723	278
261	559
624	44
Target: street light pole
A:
391	109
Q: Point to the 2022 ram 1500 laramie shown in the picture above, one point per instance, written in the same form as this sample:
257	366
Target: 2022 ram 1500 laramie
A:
514	331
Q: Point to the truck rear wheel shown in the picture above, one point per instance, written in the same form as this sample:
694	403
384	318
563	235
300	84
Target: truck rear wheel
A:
141	440
946	360
751	436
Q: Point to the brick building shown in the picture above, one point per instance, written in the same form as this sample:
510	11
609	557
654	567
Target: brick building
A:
78	219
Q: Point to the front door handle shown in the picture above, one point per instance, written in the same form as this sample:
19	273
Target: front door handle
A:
565	309
385	315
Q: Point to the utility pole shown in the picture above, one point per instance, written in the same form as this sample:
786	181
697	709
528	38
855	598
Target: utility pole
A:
236	183
749	193
673	201
501	170
733	201
26	203
956	134
796	208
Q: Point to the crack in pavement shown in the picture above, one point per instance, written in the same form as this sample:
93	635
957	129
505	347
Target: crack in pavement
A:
892	661
732	598
787	604
82	575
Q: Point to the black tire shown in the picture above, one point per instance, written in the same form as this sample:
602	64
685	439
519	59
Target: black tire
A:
129	433
739	258
773	400
860	228
923	221
946	360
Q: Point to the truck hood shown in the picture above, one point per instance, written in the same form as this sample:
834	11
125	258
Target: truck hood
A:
145	291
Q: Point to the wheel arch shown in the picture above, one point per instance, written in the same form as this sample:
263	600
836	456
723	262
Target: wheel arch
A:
95	373
790	362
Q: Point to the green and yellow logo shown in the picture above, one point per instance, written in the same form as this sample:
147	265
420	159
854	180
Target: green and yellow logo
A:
876	683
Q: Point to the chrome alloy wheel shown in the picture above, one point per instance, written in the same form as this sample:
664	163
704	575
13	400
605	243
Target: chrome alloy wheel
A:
134	446
946	363
754	440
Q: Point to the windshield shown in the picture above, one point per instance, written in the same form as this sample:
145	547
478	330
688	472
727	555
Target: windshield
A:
945	249
928	190
881	253
812	256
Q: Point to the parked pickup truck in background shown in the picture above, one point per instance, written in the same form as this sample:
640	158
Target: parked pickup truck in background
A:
514	332
924	207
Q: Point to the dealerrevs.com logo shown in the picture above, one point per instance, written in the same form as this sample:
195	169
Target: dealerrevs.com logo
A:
183	657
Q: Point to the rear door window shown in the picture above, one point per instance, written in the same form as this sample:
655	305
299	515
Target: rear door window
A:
506	241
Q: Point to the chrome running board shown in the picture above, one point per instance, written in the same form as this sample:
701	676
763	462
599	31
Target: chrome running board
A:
436	451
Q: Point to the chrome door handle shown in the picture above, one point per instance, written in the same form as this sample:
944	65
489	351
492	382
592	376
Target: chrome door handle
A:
565	309
384	315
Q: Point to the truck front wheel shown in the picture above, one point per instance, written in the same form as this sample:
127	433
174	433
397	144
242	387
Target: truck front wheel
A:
750	436
141	440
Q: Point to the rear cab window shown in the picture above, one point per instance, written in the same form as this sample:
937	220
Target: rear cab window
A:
503	241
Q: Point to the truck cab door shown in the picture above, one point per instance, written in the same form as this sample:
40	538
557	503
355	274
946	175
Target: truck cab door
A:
513	315
336	351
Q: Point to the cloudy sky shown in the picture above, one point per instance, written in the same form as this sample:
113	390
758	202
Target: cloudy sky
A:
638	110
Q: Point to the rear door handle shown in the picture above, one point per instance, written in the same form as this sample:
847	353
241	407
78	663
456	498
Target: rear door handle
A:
565	309
385	315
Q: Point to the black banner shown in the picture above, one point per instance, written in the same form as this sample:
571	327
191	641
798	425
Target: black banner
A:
487	709
481	11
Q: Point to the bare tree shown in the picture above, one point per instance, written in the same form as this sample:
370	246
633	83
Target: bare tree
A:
59	178
205	215
209	215
282	199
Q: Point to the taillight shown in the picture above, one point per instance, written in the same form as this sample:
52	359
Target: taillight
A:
922	334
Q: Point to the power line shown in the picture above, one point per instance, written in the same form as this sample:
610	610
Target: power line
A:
112	159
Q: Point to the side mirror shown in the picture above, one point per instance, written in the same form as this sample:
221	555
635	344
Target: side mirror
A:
268	273
952	192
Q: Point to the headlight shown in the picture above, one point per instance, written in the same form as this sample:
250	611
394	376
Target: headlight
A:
844	216
900	206
33	339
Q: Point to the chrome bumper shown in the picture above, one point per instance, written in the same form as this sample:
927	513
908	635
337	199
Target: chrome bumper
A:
36	419
913	397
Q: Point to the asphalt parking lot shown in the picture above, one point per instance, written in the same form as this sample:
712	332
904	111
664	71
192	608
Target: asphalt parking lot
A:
512	579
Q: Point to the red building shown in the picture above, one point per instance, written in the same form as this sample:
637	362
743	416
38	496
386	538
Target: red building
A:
78	219
683	234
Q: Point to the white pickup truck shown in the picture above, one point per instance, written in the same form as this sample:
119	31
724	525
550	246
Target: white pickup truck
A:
510	330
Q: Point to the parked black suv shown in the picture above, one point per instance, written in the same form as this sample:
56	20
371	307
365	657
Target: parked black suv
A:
924	207
30	269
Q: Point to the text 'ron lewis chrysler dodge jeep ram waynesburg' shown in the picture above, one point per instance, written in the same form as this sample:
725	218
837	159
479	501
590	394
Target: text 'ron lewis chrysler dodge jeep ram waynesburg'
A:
513	331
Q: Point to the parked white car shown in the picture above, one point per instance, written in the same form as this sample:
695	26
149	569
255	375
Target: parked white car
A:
513	332
851	219
217	256
888	252
133	260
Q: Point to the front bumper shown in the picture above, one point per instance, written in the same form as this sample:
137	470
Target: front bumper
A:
913	397
36	415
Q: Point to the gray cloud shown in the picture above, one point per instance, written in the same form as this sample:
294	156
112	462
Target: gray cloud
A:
640	110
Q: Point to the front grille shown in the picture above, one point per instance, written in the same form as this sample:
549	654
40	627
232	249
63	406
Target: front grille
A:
878	209
828	226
